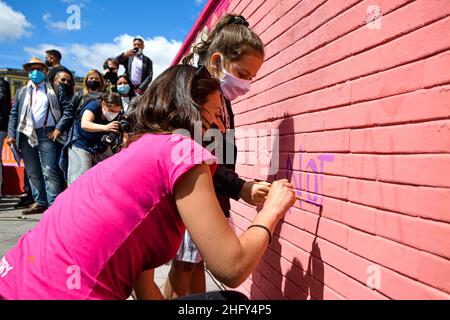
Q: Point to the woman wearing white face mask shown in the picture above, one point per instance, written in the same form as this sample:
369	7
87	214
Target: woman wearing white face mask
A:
97	119
124	89
232	54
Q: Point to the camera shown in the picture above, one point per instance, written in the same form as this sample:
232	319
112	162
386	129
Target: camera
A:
114	139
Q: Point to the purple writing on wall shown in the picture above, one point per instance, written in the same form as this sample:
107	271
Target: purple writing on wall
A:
314	170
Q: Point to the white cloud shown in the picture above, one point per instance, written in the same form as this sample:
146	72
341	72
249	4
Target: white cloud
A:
13	24
54	25
81	57
80	3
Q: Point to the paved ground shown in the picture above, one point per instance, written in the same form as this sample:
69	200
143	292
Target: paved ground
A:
12	227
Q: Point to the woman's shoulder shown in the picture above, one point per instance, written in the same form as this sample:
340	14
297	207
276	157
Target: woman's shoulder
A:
167	143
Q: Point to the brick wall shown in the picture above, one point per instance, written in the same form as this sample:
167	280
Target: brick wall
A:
362	104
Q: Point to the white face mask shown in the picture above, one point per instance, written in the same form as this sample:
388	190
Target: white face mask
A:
110	116
233	87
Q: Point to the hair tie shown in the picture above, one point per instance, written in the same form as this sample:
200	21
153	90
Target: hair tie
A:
239	20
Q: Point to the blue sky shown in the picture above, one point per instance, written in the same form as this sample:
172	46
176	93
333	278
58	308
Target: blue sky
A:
106	28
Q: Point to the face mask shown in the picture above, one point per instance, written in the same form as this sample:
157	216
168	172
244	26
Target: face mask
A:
48	63
93	85
233	87
36	76
139	52
123	89
110	116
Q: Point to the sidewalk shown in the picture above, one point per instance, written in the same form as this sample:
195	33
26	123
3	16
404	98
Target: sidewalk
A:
12	228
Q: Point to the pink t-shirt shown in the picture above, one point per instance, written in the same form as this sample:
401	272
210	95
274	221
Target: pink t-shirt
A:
115	221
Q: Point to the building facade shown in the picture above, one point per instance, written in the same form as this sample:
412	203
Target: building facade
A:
359	92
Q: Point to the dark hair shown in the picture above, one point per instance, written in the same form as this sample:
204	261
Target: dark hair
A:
54	53
138	39
173	101
131	94
105	64
112	98
232	37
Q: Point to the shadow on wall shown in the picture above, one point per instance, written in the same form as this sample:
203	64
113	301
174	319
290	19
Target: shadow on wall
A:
297	283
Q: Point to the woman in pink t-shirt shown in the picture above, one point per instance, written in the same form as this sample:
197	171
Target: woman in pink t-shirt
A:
128	213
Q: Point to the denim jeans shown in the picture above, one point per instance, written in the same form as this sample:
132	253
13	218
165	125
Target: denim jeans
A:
81	161
2	138
41	164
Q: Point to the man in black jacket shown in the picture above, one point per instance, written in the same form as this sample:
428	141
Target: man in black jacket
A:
5	107
139	68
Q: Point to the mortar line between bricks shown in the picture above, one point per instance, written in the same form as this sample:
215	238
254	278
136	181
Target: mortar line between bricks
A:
254	26
243	9
370	260
295	23
346	152
318	280
402	214
400	183
317	258
312	31
286	279
278	19
355	128
248	16
375	208
364	75
385	41
348	275
347	104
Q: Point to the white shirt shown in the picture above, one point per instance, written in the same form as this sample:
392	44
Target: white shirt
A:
38	103
136	70
125	103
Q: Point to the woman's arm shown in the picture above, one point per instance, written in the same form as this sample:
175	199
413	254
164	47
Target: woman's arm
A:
87	123
146	288
209	229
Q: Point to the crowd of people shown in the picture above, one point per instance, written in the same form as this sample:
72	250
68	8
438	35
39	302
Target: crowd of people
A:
129	207
61	133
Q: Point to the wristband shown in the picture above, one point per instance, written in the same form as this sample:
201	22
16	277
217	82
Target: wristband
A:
263	227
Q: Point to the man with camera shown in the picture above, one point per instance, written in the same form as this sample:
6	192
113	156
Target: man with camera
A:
96	135
139	68
110	73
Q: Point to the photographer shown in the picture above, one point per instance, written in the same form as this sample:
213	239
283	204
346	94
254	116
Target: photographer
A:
138	67
97	120
110	74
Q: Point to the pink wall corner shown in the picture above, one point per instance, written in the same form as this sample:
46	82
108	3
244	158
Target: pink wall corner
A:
360	95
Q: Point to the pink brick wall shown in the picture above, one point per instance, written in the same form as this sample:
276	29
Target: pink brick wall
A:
364	118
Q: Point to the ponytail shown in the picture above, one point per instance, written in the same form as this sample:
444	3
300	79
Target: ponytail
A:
232	37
